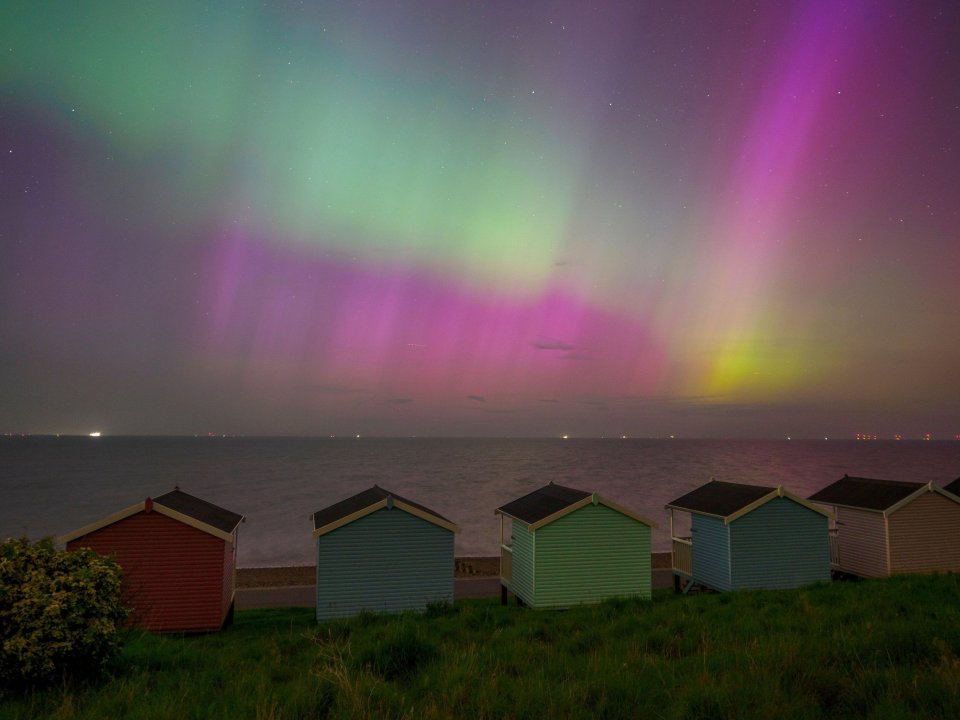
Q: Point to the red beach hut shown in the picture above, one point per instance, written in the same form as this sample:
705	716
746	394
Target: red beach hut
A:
179	556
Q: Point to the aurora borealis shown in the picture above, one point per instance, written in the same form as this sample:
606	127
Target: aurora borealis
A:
433	218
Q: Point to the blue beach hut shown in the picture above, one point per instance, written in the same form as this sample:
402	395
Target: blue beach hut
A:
380	552
749	536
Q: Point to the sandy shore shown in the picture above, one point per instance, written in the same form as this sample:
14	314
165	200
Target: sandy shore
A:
305	574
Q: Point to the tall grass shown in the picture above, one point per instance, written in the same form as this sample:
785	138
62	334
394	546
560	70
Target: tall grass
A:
874	649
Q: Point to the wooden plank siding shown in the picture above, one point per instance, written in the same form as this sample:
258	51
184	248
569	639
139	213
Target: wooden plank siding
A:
925	535
591	554
173	574
711	551
780	544
521	584
229	574
861	543
387	561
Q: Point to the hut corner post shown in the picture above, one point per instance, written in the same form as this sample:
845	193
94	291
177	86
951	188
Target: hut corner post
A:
506	563
681	555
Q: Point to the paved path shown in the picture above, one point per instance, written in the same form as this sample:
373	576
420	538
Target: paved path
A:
304	595
274	597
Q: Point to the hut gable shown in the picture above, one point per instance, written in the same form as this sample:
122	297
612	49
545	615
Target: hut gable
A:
721	499
206	514
551	502
757	540
176	504
379	552
544	503
178	555
575	562
368	501
920	540
730	501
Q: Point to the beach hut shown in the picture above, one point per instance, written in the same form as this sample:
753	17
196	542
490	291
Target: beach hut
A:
561	547
889	527
380	552
178	554
748	536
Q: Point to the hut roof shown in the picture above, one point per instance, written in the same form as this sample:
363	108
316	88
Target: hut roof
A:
190	510
551	502
866	493
542	503
363	503
732	500
884	496
200	510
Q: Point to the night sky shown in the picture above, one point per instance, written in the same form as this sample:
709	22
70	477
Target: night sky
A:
439	217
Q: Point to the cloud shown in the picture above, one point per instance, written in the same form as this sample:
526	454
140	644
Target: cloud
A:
478	398
551	344
549	400
400	401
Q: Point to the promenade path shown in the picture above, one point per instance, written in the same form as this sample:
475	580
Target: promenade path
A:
465	587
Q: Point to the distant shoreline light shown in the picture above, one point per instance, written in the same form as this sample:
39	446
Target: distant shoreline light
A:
95	434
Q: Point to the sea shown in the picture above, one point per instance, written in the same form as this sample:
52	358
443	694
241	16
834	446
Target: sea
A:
52	485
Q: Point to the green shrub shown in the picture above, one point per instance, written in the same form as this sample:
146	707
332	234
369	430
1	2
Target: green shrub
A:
60	612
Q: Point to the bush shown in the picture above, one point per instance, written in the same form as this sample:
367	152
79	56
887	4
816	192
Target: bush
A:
60	612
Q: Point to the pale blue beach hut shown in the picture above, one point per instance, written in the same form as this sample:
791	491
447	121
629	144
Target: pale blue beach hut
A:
748	536
380	552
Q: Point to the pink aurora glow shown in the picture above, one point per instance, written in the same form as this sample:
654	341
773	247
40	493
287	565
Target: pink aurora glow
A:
403	331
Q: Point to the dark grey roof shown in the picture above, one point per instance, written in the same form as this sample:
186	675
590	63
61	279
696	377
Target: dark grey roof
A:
720	498
865	493
198	509
542	503
361	501
953	487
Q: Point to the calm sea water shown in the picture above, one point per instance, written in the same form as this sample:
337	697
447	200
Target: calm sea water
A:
53	485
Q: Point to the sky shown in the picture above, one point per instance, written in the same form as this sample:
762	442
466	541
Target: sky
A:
440	217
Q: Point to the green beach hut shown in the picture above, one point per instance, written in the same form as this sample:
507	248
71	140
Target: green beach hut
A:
561	547
749	536
380	552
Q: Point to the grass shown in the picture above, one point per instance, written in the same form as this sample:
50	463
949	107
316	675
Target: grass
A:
872	649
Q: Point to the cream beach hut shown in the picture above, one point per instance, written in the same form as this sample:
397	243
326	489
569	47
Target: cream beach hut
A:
891	527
